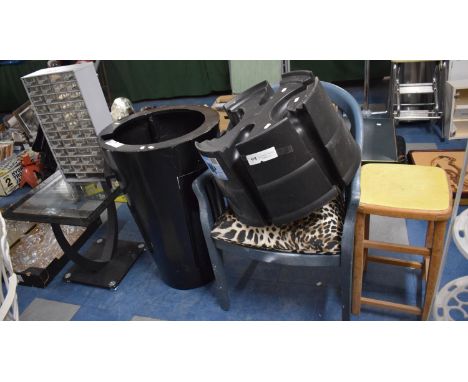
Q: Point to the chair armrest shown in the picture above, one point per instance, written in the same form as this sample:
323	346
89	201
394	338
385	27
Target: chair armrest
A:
348	104
210	199
347	239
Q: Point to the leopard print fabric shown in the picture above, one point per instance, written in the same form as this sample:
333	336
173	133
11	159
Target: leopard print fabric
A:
318	233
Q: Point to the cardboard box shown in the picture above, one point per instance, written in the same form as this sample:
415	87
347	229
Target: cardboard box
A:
218	106
6	149
11	171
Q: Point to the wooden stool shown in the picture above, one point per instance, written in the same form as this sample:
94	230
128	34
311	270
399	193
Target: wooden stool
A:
402	191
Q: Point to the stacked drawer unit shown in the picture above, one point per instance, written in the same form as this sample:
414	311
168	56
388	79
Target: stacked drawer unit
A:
72	109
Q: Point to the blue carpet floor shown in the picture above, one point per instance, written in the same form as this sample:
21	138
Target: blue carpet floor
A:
264	292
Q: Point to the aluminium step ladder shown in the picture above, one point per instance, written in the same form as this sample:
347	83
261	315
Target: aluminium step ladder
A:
417	101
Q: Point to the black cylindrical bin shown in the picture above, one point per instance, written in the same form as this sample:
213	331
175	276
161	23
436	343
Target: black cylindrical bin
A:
155	159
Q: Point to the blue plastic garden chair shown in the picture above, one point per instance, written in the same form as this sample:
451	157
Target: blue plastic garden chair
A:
212	205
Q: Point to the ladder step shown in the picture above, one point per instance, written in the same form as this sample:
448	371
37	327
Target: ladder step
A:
416	88
417	115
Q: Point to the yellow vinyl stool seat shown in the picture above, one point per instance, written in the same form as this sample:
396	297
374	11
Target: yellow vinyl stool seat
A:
402	191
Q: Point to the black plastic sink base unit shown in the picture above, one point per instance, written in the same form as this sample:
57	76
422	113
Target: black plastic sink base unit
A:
286	153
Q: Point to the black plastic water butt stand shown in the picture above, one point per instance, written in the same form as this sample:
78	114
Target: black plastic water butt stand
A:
155	159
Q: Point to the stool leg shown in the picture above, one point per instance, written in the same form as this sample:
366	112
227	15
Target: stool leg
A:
358	262
429	243
430	234
366	236
436	257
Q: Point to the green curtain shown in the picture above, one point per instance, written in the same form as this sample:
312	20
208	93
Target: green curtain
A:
136	80
247	73
341	70
12	93
139	80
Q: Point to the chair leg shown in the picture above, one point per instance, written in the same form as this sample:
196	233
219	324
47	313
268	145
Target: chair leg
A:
346	289
220	282
434	266
358	262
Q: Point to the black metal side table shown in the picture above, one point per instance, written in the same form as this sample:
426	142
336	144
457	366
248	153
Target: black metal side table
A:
57	203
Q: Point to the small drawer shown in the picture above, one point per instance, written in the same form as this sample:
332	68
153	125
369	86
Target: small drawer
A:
79	168
87	160
68	76
35	91
30	81
72	86
93	169
86	124
50	98
63	97
47	89
55	77
68	143
70	116
95	151
68	169
67	106
61	77
66	134
59	88
92	142
48	126
73	125
79	106
78	134
53	135
75	95
54	108
61	126
57	117
75	161
60	152
99	161
85	151
89	133
64	161
41	109
46	118
83	114
57	143
37	100
42	80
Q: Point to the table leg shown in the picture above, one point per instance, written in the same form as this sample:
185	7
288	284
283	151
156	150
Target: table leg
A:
72	251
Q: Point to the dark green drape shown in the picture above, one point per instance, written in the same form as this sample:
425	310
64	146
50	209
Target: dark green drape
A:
139	80
12	93
136	80
341	70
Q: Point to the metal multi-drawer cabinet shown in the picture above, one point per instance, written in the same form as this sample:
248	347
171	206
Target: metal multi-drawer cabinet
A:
72	110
